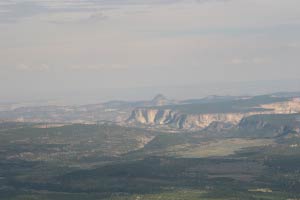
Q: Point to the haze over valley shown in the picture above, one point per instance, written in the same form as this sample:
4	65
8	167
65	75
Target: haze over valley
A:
149	100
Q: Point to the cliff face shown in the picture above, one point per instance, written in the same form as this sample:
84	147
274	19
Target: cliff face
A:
175	119
182	121
269	125
287	107
156	117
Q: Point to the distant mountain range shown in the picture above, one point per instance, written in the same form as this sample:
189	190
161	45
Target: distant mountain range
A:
199	114
159	112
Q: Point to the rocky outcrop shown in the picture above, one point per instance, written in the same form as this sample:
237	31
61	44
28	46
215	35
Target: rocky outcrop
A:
277	125
179	120
286	107
175	119
150	116
160	100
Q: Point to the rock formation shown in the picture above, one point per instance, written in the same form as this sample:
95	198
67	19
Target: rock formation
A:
175	119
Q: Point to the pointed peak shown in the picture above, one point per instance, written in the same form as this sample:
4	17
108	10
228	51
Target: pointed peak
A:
159	100
159	97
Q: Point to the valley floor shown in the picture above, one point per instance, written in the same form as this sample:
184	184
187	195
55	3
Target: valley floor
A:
110	162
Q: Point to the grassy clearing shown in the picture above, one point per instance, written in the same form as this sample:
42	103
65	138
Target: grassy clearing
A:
216	148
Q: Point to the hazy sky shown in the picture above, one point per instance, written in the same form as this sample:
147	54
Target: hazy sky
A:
63	46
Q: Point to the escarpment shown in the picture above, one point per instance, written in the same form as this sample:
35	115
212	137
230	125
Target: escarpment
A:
180	120
150	116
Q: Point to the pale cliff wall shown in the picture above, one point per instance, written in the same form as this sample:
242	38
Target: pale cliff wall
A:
284	107
171	118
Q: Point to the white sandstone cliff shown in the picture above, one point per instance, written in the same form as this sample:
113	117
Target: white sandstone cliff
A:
175	119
